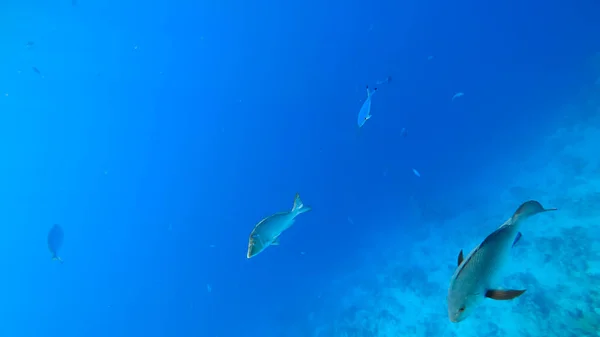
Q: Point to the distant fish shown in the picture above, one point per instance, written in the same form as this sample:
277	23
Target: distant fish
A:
365	111
387	80
55	241
29	44
430	57
457	95
475	278
417	173
36	70
268	230
403	133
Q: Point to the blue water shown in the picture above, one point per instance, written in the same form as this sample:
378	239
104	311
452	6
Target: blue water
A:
157	134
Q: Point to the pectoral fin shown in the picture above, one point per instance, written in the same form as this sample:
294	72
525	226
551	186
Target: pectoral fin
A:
503	295
275	242
460	257
517	238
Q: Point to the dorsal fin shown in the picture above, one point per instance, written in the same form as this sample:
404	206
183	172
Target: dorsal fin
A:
528	209
460	258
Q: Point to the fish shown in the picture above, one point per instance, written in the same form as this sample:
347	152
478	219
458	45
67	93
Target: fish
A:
417	173
387	80
365	111
266	233
55	241
476	276
36	70
457	95
403	133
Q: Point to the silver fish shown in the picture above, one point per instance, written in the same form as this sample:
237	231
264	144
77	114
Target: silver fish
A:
365	111
268	230
457	95
476	275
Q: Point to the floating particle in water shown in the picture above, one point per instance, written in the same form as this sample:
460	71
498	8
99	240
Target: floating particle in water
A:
416	173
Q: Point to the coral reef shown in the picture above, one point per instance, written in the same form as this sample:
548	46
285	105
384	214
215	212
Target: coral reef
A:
557	260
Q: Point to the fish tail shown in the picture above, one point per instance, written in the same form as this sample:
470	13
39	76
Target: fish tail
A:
370	92
57	258
528	209
299	207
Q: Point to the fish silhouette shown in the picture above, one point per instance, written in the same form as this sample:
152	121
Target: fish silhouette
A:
55	241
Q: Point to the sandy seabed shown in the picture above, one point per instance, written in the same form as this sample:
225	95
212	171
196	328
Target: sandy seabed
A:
557	260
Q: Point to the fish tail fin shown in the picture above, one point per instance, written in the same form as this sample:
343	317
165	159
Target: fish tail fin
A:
299	207
528	209
370	92
57	258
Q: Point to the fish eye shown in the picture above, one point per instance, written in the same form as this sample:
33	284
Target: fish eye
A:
461	309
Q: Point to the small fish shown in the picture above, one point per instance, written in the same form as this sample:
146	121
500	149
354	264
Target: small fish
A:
55	241
457	95
475	278
29	44
365	111
36	70
387	80
268	230
417	173
403	133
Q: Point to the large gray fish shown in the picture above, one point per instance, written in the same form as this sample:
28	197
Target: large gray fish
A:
268	230
476	276
55	241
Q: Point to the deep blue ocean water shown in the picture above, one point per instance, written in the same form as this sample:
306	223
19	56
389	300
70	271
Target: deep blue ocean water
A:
158	134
